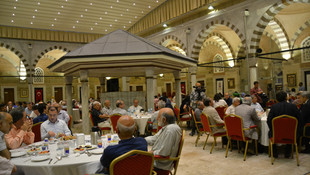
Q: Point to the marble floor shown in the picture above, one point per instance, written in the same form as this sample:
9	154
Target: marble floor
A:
196	161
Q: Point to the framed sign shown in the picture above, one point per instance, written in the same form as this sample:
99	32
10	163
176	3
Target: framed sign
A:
220	85
23	93
291	80
231	83
278	88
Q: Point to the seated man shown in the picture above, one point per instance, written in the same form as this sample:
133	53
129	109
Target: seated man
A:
120	105
249	117
125	129
34	112
305	116
161	104
213	116
227	99
198	112
6	122
166	141
106	110
6	166
98	118
42	117
135	108
28	109
231	108
62	115
54	127
257	106
21	130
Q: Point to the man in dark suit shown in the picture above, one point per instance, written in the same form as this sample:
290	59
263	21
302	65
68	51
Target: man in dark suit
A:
283	108
305	116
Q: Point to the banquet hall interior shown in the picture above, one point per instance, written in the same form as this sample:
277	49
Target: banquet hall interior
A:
65	50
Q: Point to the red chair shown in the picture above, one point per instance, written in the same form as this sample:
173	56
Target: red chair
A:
304	134
153	130
174	159
114	118
36	129
176	111
134	162
235	131
221	111
102	128
199	129
284	130
207	129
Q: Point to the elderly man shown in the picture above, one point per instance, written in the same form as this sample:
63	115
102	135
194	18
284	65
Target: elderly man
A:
62	115
125	129
249	117
28	109
257	91
305	116
54	127
231	109
282	108
106	110
166	141
6	122
161	104
135	108
227	99
21	132
198	112
98	118
197	95
120	105
9	106
213	116
258	108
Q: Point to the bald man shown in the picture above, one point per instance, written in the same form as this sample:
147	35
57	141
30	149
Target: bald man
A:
166	141
125	129
6	122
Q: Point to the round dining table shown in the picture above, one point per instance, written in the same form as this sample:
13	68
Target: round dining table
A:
74	163
141	121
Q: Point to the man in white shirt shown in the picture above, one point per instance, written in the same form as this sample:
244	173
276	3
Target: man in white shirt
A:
135	108
54	127
166	141
120	105
257	106
106	110
161	104
231	108
62	114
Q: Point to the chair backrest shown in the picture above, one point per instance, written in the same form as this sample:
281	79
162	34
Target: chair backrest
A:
176	111
114	118
178	156
205	123
234	127
36	129
91	119
284	129
221	111
134	162
69	122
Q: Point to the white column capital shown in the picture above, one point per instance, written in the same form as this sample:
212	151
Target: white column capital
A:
84	75
69	80
193	70
149	73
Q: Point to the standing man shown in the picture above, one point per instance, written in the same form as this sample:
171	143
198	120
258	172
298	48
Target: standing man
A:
135	108
227	99
197	95
21	132
257	92
305	115
54	127
166	141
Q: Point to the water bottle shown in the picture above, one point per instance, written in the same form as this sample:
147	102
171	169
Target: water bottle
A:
66	148
45	144
60	149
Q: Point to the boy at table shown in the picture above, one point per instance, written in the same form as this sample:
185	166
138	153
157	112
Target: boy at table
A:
125	129
21	132
54	127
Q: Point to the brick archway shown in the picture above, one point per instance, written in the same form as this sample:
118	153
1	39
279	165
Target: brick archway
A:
164	41
46	51
298	32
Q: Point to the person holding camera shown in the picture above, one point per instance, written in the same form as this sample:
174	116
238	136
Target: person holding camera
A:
197	95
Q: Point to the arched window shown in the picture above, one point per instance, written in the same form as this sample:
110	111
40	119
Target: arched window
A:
305	57
38	76
218	67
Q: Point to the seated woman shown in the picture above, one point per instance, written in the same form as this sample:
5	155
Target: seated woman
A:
21	132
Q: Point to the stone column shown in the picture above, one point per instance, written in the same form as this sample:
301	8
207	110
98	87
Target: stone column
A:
102	84
155	85
253	75
85	110
124	84
193	72
69	94
149	76
177	79
30	87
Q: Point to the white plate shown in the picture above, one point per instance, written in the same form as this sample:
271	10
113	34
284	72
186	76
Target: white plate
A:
40	158
76	151
92	147
97	151
18	154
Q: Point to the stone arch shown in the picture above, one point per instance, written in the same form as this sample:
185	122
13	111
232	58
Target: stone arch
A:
178	46
298	32
212	43
47	50
266	18
280	33
273	38
18	54
208	29
165	40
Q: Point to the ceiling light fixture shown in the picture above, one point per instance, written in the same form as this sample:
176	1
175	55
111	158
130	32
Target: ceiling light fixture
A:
127	10
117	0
38	3
55	19
157	1
31	22
161	75
108	78
58	13
124	27
14	7
85	10
91	28
135	16
111	6
12	20
110	25
130	22
77	21
33	17
35	10
115	20
52	25
210	7
13	14
121	14
106	30
149	6
96	23
165	25
73	27
90	3
100	18
134	4
16	0
62	6
105	12
81	16
142	12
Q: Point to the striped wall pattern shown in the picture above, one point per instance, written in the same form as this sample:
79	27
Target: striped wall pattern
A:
298	32
166	39
266	18
207	30
275	39
17	53
223	43
280	34
240	49
44	52
176	47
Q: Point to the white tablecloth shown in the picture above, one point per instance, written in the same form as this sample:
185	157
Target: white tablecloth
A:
72	164
141	121
264	139
76	114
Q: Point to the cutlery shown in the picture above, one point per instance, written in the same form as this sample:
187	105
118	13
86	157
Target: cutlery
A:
50	161
58	159
88	153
